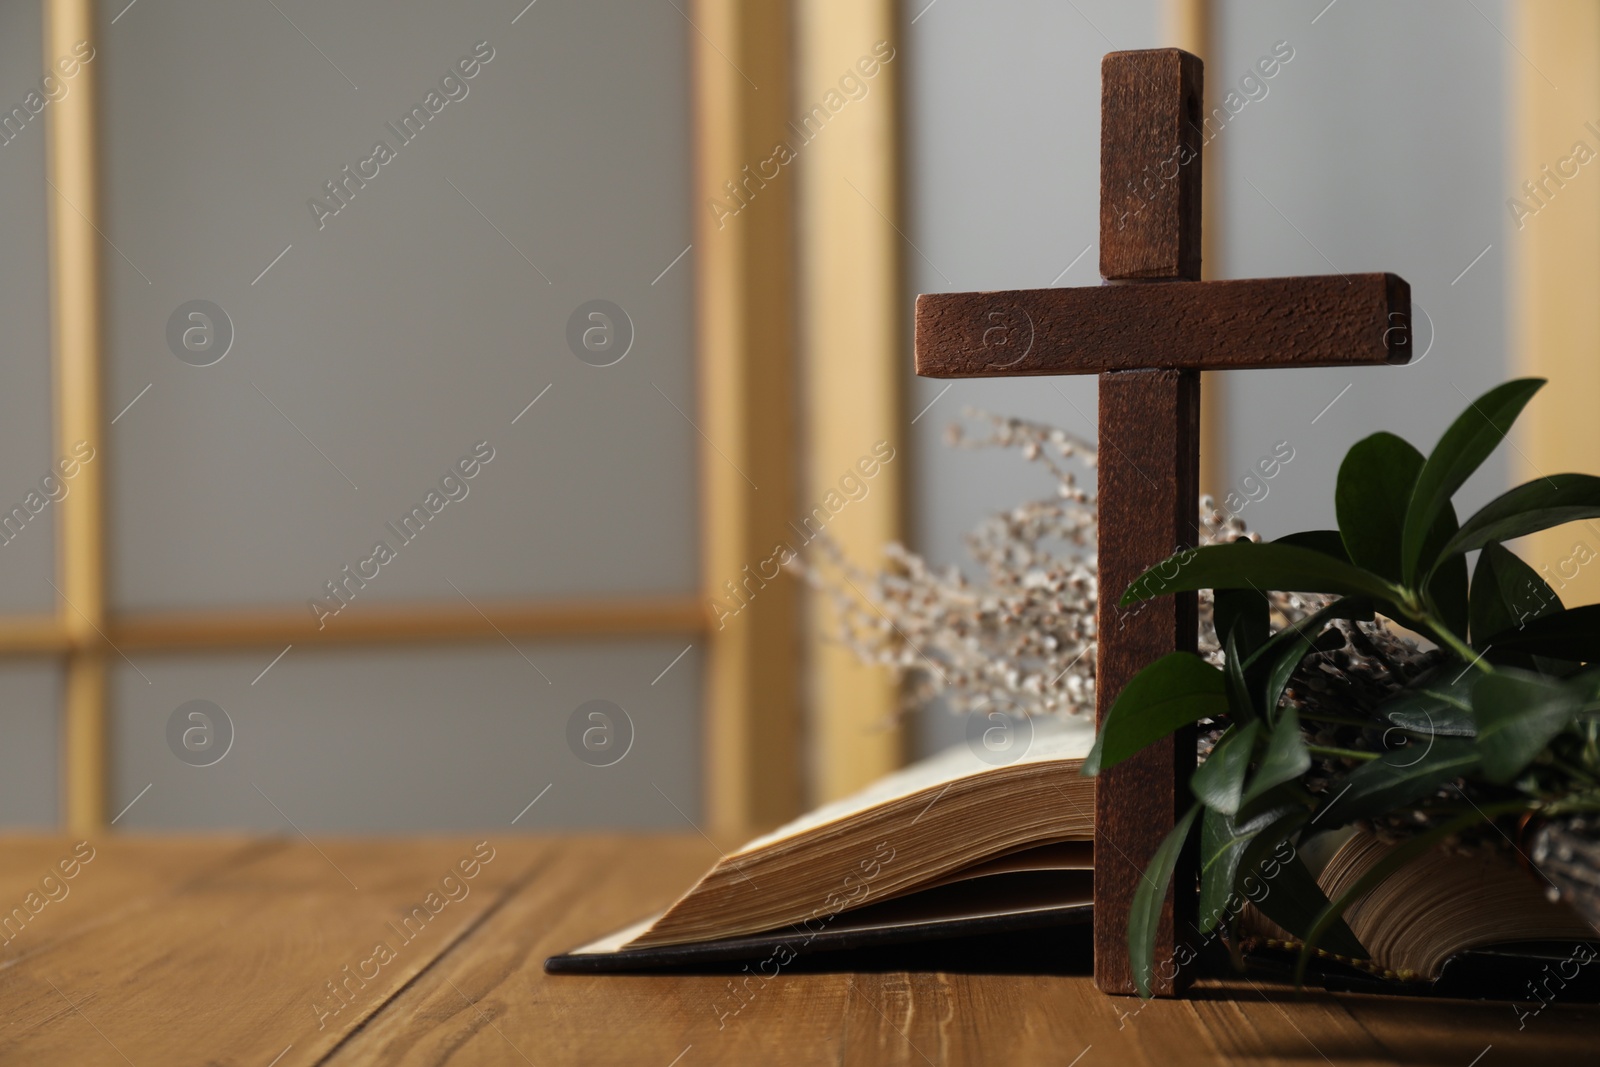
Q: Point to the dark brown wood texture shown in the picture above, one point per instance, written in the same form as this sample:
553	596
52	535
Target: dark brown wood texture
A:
1150	138
1251	324
1149	482
1149	476
1148	336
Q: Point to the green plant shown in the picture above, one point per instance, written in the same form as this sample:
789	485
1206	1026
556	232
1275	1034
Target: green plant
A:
1505	725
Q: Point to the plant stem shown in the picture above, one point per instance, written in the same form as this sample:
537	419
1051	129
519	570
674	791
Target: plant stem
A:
1576	772
1422	610
1460	647
1571	804
1342	753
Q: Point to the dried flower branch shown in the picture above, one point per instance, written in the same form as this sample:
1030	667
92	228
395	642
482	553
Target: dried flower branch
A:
1025	635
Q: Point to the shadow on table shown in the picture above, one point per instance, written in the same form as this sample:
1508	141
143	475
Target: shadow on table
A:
1059	951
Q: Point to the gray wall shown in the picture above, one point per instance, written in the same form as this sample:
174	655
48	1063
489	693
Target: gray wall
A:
372	349
1002	112
1379	146
412	741
30	690
406	328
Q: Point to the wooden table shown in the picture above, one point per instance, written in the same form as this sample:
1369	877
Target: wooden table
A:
225	951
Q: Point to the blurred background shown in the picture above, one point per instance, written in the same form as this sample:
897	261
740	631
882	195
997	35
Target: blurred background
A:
581	310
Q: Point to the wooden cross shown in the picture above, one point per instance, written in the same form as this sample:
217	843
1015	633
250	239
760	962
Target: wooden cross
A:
1148	333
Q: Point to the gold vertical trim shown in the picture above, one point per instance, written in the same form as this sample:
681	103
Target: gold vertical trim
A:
743	249
1189	27
852	329
84	748
75	302
75	316
1555	265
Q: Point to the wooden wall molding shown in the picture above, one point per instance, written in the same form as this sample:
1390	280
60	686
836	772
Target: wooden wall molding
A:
745	314
72	169
180	632
1555	267
854	318
1188	24
381	624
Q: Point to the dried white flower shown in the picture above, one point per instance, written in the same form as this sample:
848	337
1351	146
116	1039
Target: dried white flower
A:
1026	636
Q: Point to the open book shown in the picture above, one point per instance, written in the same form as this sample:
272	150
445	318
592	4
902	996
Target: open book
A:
949	846
954	847
1448	922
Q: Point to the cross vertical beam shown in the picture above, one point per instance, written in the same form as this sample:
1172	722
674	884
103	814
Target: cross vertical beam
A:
1149	473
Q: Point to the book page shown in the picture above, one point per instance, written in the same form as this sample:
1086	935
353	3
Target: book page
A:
1053	739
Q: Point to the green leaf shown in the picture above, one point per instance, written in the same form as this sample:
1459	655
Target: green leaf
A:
1447	582
1243	614
1532	506
1144	917
1242	564
1328	542
1278	658
1505	593
1243	860
1374	487
1239	695
1223	841
1438	704
1395	779
1175	690
1286	757
1288	661
1489	610
1573	634
1219	781
1518	713
1293	900
1464	446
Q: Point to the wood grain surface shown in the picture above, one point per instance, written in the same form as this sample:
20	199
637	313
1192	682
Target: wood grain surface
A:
1149	479
219	951
1150	139
1249	324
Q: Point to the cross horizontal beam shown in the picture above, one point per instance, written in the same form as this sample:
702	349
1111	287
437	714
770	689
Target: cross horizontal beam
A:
1251	324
